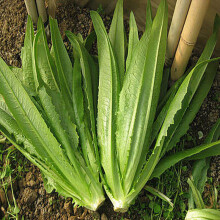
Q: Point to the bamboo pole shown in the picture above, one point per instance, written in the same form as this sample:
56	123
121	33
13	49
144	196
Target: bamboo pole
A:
42	9
178	19
32	10
192	26
52	8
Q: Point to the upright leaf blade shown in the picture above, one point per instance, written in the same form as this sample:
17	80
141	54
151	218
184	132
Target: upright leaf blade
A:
47	77
116	36
62	60
148	16
86	63
139	97
196	195
199	176
109	87
133	39
28	79
84	98
45	67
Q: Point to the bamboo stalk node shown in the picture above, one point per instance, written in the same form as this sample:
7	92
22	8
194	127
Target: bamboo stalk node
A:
187	42
178	20
190	32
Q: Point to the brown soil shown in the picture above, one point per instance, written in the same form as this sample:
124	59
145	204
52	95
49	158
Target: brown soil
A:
31	197
13	17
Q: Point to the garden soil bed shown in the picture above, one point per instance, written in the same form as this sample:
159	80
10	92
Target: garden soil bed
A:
31	197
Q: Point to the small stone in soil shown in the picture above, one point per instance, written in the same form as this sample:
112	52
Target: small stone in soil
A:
29	196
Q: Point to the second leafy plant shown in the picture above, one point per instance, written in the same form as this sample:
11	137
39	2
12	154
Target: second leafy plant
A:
134	128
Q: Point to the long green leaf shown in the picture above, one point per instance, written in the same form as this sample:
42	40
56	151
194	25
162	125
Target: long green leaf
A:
139	97
86	119
191	90
148	16
82	123
133	39
28	78
62	60
195	104
63	63
85	61
169	161
109	87
116	36
44	61
159	194
203	214
46	71
196	195
189	154
199	176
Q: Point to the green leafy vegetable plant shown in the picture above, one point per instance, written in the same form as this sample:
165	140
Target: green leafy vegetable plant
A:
80	122
47	111
134	129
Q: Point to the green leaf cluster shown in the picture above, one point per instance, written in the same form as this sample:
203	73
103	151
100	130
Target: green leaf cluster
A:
138	120
86	124
47	110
